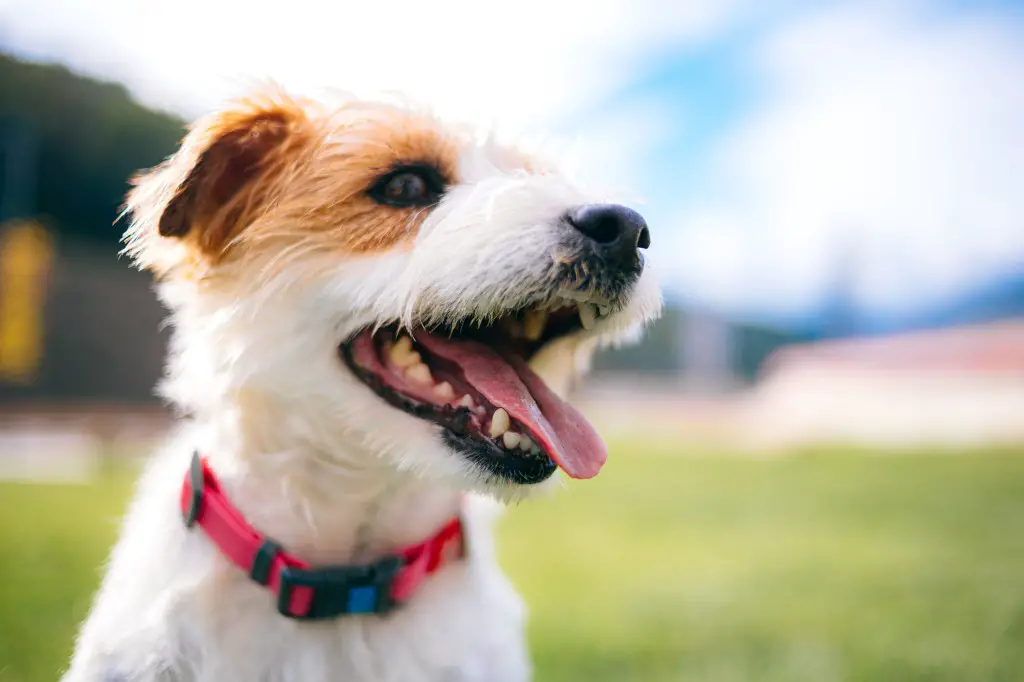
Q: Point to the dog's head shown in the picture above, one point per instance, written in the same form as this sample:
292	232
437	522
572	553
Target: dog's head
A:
375	283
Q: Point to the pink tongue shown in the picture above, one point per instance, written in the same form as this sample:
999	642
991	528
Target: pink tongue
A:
553	423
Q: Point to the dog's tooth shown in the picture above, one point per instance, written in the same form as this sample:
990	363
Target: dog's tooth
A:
409	360
588	315
402	354
499	422
444	390
510	439
467	401
535	449
533	324
419	373
525	444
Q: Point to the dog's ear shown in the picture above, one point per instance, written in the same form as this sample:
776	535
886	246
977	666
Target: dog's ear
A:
226	171
239	152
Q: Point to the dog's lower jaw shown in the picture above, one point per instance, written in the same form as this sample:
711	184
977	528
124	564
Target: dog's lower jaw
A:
172	608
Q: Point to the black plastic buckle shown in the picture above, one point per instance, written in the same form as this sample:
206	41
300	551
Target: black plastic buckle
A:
197	482
341	590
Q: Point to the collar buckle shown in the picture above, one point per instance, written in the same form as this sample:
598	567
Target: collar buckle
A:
340	590
197	482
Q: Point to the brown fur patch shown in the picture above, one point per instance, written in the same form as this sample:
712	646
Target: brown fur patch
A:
223	170
273	177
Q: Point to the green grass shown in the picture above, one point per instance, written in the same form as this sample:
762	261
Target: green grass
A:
819	567
53	541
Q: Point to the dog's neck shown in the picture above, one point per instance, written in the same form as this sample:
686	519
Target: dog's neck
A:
343	506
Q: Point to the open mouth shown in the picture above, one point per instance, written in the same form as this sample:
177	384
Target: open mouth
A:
476	384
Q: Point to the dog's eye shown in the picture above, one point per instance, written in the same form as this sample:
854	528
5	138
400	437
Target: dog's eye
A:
409	186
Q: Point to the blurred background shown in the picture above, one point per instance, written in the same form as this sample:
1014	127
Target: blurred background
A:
817	466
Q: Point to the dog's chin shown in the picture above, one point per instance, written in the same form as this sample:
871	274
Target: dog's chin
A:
476	384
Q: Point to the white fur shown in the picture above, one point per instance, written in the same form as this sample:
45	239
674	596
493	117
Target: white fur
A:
315	460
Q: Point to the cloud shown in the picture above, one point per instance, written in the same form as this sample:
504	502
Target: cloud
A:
528	63
608	147
895	134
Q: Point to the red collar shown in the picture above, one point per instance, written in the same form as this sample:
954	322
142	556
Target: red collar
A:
304	593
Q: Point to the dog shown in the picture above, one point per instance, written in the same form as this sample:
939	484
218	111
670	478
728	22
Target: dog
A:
377	317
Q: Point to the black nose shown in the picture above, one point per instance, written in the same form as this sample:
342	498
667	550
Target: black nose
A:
617	232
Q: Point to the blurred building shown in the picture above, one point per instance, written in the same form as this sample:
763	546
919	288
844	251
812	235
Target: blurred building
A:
955	386
950	388
76	325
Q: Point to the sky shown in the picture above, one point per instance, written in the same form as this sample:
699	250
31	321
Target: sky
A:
767	142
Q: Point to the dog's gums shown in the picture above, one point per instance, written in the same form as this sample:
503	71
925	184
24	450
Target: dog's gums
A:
474	381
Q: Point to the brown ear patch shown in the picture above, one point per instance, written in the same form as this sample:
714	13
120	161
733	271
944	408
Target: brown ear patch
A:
232	161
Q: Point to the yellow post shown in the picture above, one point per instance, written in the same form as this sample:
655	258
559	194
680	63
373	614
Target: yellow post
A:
26	253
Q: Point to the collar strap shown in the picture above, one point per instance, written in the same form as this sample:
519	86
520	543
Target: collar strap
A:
305	593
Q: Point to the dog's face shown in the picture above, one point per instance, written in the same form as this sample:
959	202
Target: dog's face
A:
378	284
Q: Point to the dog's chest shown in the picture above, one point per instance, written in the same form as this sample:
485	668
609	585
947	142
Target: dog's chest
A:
464	627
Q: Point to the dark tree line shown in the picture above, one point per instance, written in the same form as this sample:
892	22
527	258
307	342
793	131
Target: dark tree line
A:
71	144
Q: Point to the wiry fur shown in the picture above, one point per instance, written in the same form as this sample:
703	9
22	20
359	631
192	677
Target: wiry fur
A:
261	290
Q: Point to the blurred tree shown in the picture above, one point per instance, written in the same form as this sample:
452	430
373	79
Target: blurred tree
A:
75	324
89	138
